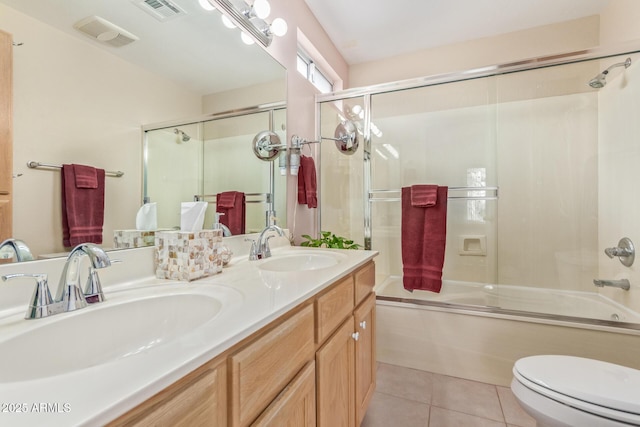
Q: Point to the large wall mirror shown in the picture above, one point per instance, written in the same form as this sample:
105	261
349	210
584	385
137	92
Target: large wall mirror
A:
78	100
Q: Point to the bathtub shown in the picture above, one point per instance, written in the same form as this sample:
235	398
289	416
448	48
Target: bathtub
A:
478	331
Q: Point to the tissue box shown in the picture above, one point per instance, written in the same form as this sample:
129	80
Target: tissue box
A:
123	239
188	255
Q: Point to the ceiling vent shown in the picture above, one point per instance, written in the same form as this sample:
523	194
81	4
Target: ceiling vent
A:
162	10
104	31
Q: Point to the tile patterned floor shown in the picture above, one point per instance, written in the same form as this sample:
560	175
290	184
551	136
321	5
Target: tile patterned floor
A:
412	398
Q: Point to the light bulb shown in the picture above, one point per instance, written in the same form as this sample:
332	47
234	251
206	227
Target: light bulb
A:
279	27
206	5
246	39
262	8
227	22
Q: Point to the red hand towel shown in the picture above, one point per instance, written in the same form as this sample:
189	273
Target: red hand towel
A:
82	207
232	205
424	196
86	176
307	182
424	233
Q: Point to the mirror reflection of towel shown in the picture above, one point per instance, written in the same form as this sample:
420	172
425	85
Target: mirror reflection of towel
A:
82	204
232	205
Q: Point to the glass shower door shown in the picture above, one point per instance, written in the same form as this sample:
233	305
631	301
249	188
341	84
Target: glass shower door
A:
444	135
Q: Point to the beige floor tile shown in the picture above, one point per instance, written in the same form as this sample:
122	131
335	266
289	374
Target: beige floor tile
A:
513	412
403	382
441	417
390	411
466	396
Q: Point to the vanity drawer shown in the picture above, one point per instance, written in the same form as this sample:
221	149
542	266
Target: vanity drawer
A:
260	371
365	280
333	307
200	398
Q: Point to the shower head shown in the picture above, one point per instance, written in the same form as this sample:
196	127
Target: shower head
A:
600	80
184	136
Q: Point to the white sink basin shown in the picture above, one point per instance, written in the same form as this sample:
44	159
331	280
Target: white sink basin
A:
302	261
128	323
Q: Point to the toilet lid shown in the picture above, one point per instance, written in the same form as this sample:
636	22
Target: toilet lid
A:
591	381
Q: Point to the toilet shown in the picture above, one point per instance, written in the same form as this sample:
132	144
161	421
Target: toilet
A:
573	391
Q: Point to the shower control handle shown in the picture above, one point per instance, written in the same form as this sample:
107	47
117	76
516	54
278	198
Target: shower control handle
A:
625	251
355	336
363	324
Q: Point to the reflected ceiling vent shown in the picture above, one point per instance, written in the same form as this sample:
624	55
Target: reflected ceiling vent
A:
104	31
162	10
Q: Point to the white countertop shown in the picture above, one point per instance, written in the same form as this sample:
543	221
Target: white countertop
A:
99	394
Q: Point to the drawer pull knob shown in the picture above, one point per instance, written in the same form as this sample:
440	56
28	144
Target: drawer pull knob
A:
356	335
363	324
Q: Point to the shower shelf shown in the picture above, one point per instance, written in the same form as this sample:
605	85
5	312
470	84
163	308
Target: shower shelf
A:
374	197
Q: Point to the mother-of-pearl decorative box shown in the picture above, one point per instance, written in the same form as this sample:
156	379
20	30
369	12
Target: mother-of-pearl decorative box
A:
187	255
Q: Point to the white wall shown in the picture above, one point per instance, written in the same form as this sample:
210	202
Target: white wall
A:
557	38
619	152
74	103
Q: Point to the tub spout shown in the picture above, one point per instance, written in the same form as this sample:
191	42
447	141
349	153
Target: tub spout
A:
623	283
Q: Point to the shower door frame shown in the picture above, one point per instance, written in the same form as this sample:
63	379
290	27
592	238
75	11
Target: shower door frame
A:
366	93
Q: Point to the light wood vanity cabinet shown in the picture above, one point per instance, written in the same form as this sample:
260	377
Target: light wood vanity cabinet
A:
365	355
315	365
262	369
346	362
296	405
198	399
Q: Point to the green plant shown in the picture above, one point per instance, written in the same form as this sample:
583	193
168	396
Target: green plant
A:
329	240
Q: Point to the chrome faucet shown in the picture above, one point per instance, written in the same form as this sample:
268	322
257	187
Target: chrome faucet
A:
69	296
69	291
260	248
622	283
19	247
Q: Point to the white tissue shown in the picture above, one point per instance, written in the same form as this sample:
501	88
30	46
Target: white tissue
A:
192	215
147	217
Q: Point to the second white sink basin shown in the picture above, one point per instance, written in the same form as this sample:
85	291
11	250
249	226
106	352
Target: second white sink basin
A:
302	261
129	324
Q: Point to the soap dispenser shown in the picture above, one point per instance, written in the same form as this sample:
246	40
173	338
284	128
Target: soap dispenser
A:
223	250
217	225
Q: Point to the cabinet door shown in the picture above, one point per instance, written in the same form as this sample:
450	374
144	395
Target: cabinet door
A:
199	399
6	135
296	405
335	378
365	368
263	368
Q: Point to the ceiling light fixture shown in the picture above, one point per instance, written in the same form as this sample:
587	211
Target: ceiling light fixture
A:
251	18
206	5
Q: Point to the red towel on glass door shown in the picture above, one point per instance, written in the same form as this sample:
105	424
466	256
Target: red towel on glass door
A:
424	234
307	183
232	205
82	204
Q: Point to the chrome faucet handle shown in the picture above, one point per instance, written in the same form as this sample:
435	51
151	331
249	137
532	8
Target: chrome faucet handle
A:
254	254
266	250
93	289
40	300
